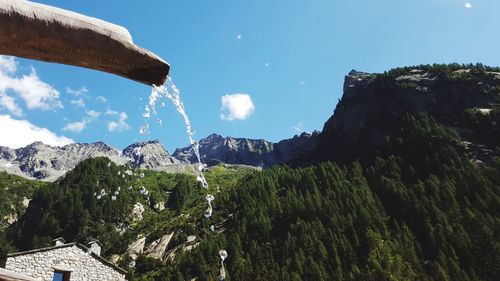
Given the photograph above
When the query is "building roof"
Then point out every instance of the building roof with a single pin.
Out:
(82, 247)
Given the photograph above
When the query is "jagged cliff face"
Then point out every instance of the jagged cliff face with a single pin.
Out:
(216, 149)
(45, 162)
(466, 100)
(148, 155)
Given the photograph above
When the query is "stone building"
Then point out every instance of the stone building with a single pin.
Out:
(64, 262)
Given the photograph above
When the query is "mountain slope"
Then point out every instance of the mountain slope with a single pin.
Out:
(41, 161)
(463, 98)
(148, 155)
(217, 149)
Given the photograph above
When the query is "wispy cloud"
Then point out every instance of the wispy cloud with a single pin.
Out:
(109, 111)
(35, 93)
(10, 104)
(82, 91)
(236, 107)
(19, 133)
(78, 126)
(93, 114)
(468, 5)
(120, 125)
(78, 102)
(101, 99)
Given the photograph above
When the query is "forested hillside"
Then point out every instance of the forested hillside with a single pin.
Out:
(426, 214)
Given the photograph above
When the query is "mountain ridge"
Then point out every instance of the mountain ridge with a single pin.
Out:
(254, 152)
(45, 162)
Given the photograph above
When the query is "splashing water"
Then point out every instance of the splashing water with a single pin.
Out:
(222, 272)
(170, 91)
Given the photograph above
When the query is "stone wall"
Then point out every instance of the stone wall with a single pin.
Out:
(83, 266)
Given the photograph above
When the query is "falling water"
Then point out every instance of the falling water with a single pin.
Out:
(171, 91)
(222, 272)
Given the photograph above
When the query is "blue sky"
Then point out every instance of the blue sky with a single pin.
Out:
(289, 56)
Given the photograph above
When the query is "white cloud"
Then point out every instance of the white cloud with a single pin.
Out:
(77, 92)
(79, 126)
(76, 127)
(93, 114)
(468, 5)
(35, 93)
(119, 126)
(78, 102)
(10, 104)
(236, 107)
(109, 111)
(101, 99)
(19, 133)
(8, 64)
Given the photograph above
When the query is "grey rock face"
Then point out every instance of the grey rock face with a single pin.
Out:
(7, 153)
(148, 155)
(371, 103)
(45, 162)
(216, 149)
(42, 161)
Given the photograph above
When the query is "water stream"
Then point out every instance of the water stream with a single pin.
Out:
(170, 91)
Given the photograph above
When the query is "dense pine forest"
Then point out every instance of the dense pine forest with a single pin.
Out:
(426, 214)
(417, 205)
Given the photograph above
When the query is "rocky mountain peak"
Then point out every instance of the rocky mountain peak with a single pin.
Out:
(42, 161)
(456, 96)
(216, 149)
(213, 137)
(148, 155)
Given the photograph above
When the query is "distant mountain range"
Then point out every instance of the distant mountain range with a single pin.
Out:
(261, 153)
(46, 162)
(41, 161)
(367, 118)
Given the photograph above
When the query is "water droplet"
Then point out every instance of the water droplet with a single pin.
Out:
(147, 113)
(208, 213)
(144, 129)
(223, 254)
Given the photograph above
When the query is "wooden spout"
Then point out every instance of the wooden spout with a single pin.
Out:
(41, 32)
